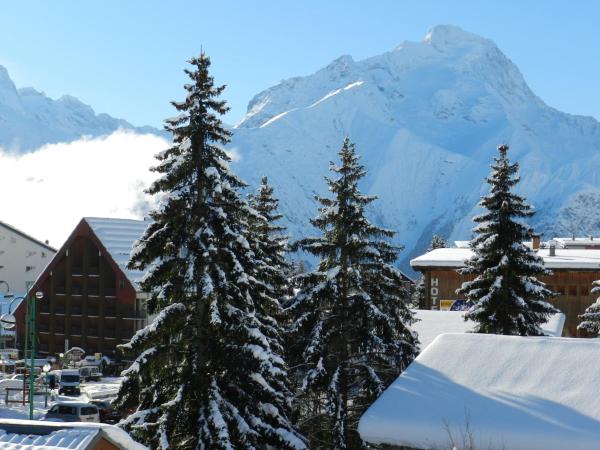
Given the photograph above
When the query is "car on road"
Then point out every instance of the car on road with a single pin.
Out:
(107, 413)
(73, 412)
(69, 382)
(88, 373)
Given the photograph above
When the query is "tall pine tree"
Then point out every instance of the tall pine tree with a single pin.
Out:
(507, 296)
(207, 376)
(350, 330)
(590, 319)
(272, 241)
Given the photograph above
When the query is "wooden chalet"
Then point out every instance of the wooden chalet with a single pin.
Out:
(574, 262)
(91, 299)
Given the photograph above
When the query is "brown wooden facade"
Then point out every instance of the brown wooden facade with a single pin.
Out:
(88, 301)
(572, 286)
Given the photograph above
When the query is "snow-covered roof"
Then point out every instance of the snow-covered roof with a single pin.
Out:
(512, 392)
(35, 435)
(578, 242)
(433, 323)
(565, 258)
(28, 237)
(118, 237)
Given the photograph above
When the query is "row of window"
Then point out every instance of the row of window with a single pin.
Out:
(571, 291)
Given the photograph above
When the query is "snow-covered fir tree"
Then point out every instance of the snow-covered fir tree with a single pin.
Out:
(418, 293)
(437, 242)
(350, 323)
(590, 319)
(272, 241)
(207, 375)
(507, 297)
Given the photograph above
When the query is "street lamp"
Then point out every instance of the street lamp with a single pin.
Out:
(30, 342)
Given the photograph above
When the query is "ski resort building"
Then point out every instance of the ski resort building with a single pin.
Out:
(574, 262)
(22, 259)
(91, 300)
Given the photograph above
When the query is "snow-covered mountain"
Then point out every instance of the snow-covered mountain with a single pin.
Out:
(426, 117)
(29, 119)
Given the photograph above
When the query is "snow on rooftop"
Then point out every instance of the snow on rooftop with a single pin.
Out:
(517, 393)
(589, 241)
(118, 237)
(565, 258)
(37, 435)
(60, 439)
(433, 323)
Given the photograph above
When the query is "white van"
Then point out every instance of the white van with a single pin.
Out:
(69, 381)
(88, 373)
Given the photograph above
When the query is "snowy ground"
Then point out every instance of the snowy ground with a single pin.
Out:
(106, 388)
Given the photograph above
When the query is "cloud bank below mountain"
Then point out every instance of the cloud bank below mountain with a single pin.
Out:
(47, 192)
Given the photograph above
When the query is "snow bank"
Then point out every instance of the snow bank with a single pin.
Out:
(433, 323)
(516, 393)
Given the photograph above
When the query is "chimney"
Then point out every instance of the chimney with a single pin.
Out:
(552, 249)
(535, 241)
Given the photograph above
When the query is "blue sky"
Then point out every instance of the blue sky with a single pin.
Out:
(126, 57)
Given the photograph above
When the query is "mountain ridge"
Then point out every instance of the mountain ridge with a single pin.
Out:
(426, 117)
(30, 119)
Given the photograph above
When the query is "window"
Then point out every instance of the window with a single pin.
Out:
(88, 410)
(29, 268)
(93, 286)
(76, 287)
(63, 409)
(560, 290)
(573, 291)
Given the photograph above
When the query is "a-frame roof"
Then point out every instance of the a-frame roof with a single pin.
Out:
(114, 236)
(118, 236)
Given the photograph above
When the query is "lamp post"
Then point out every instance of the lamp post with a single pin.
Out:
(30, 336)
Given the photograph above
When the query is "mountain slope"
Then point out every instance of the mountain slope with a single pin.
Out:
(427, 118)
(29, 119)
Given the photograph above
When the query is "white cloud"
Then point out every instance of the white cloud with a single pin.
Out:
(47, 192)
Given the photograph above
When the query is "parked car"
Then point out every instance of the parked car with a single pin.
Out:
(68, 382)
(107, 413)
(73, 412)
(88, 373)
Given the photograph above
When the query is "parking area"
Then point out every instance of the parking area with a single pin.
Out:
(96, 393)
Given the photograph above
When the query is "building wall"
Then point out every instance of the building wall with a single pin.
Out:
(21, 260)
(573, 287)
(87, 303)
